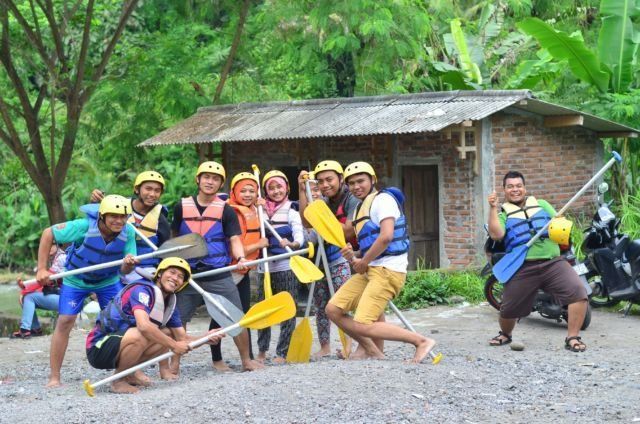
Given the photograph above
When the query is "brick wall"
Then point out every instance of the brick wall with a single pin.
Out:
(555, 162)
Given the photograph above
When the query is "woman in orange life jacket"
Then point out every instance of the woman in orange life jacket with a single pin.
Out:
(243, 198)
(343, 204)
(286, 221)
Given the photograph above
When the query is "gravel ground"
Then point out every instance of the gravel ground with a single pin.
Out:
(474, 383)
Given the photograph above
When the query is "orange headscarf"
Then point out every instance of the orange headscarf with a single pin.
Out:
(234, 197)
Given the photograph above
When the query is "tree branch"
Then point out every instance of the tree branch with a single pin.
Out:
(84, 49)
(57, 38)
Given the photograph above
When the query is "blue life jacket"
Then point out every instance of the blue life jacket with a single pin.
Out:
(149, 227)
(93, 250)
(368, 232)
(209, 226)
(524, 222)
(113, 318)
(280, 222)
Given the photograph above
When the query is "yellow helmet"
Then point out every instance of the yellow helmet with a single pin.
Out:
(213, 168)
(149, 176)
(116, 204)
(560, 230)
(176, 263)
(274, 173)
(328, 165)
(243, 176)
(359, 168)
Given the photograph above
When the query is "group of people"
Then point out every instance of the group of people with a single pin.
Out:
(142, 316)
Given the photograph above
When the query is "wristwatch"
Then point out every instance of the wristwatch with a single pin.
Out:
(240, 257)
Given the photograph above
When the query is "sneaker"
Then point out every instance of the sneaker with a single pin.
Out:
(21, 334)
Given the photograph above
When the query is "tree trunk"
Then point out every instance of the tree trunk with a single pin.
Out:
(344, 71)
(55, 207)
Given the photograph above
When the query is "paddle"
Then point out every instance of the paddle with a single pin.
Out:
(186, 247)
(302, 267)
(344, 340)
(330, 228)
(510, 263)
(267, 276)
(221, 310)
(265, 314)
(302, 337)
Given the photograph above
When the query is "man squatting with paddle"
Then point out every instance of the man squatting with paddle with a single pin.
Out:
(519, 219)
(140, 323)
(380, 266)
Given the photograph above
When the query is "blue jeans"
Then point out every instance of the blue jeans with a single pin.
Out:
(35, 300)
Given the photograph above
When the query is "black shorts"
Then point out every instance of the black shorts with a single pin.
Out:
(104, 354)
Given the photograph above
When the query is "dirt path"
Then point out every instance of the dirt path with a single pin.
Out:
(474, 383)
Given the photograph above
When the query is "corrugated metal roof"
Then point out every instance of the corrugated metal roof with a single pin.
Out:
(344, 117)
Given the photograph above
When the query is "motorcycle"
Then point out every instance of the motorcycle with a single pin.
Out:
(544, 303)
(613, 259)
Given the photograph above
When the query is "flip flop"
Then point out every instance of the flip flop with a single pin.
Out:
(501, 338)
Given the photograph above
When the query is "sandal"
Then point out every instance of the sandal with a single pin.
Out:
(575, 347)
(501, 339)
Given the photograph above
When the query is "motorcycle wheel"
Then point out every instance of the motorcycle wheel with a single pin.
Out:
(598, 299)
(493, 292)
(587, 319)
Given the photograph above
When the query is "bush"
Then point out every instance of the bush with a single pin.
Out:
(426, 287)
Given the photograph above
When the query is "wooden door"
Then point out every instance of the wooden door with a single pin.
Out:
(420, 185)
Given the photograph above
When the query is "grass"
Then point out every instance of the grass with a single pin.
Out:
(427, 287)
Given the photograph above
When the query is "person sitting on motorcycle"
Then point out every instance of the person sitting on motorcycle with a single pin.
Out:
(543, 268)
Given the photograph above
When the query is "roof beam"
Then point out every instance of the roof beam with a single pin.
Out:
(559, 121)
(619, 134)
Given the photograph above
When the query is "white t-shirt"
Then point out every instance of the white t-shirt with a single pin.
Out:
(385, 206)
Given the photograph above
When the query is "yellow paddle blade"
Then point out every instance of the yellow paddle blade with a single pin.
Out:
(436, 358)
(87, 388)
(300, 344)
(267, 285)
(325, 222)
(271, 311)
(305, 270)
(346, 343)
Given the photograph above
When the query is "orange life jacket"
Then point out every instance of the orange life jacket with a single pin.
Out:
(250, 226)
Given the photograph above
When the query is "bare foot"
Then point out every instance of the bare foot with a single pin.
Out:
(279, 360)
(167, 374)
(53, 382)
(422, 350)
(139, 379)
(262, 356)
(325, 350)
(121, 386)
(221, 366)
(252, 365)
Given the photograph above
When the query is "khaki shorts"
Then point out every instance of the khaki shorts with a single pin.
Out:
(369, 294)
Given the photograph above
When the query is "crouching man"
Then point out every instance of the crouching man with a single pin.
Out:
(140, 323)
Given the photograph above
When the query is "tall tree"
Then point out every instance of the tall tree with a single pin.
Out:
(53, 55)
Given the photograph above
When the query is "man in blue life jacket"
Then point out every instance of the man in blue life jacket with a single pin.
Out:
(216, 221)
(381, 267)
(100, 237)
(140, 323)
(520, 218)
(147, 215)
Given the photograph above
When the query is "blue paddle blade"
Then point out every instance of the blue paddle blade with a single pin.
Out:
(510, 264)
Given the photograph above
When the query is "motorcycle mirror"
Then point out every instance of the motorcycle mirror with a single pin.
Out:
(603, 188)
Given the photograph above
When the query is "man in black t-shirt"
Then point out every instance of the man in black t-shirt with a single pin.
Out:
(212, 218)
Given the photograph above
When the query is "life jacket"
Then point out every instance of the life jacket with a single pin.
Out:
(209, 226)
(94, 250)
(523, 222)
(280, 222)
(368, 232)
(333, 252)
(250, 226)
(113, 318)
(148, 226)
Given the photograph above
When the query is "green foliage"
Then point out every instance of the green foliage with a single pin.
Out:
(435, 286)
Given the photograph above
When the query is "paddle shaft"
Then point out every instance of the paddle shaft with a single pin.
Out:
(307, 310)
(256, 173)
(108, 264)
(194, 344)
(199, 289)
(252, 263)
(614, 159)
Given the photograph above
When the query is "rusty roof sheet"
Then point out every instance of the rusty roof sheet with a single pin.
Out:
(344, 117)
